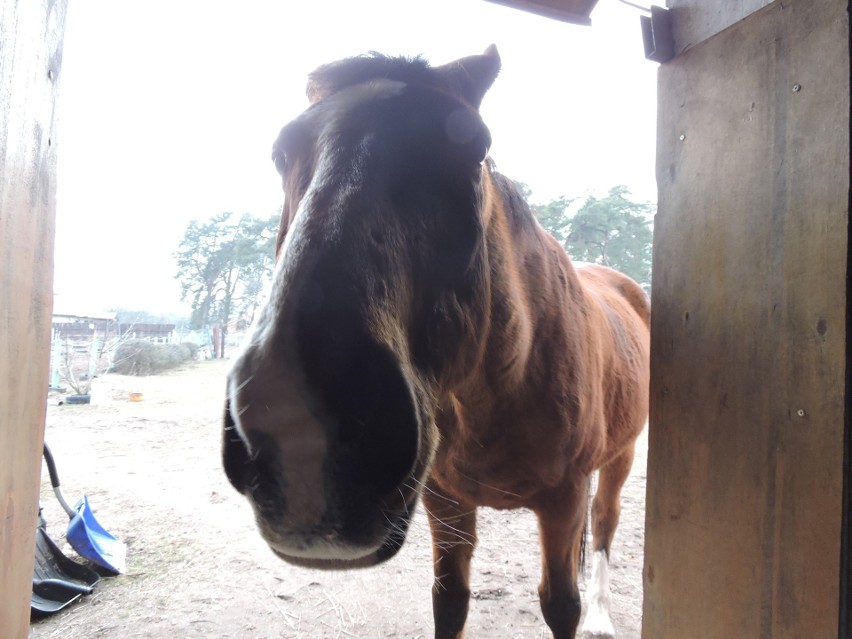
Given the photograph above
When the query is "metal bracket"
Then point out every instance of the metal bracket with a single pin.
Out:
(657, 35)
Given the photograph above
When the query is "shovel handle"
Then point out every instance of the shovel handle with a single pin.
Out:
(51, 467)
(54, 481)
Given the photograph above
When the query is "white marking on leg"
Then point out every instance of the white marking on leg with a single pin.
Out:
(598, 600)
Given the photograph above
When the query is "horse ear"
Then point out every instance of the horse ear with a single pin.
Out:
(473, 76)
(321, 81)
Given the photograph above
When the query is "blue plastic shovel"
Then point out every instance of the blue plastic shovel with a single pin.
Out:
(85, 534)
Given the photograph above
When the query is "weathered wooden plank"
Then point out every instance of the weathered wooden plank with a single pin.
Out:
(30, 55)
(745, 466)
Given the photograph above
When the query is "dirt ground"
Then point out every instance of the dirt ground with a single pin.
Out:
(198, 568)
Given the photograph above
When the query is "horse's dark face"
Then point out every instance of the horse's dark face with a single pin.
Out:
(379, 292)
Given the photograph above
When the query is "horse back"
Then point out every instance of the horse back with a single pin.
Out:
(615, 288)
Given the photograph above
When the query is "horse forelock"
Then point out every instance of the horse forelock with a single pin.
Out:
(331, 78)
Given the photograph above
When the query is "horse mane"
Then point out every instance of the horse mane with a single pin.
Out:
(518, 210)
(331, 78)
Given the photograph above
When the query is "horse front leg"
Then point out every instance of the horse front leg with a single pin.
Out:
(453, 526)
(561, 528)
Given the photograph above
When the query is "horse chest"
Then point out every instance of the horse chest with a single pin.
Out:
(506, 465)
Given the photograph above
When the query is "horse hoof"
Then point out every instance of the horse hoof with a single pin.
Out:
(597, 627)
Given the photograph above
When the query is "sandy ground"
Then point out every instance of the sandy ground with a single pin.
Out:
(197, 568)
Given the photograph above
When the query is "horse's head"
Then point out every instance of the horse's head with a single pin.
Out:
(379, 301)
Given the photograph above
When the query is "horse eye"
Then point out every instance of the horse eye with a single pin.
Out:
(469, 134)
(280, 160)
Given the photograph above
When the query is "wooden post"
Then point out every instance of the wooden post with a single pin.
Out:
(749, 328)
(31, 36)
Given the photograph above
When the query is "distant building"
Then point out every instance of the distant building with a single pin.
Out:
(104, 326)
(163, 333)
(85, 325)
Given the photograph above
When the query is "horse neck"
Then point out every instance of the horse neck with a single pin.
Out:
(533, 286)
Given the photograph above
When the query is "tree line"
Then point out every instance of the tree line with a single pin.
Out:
(614, 230)
(226, 262)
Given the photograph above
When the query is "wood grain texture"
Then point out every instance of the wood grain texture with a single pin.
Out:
(745, 463)
(30, 56)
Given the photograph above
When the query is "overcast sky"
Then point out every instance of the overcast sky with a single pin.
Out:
(168, 110)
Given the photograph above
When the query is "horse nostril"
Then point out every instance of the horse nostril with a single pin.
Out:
(236, 457)
(250, 463)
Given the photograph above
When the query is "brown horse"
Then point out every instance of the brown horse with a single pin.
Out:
(426, 338)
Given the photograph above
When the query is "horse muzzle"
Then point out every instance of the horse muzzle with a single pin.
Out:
(326, 552)
(360, 532)
(330, 488)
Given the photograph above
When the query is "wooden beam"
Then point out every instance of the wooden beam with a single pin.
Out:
(31, 35)
(745, 468)
(574, 11)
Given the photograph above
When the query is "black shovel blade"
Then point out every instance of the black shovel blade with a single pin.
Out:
(50, 596)
(57, 580)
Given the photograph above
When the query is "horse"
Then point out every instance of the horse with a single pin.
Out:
(426, 340)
